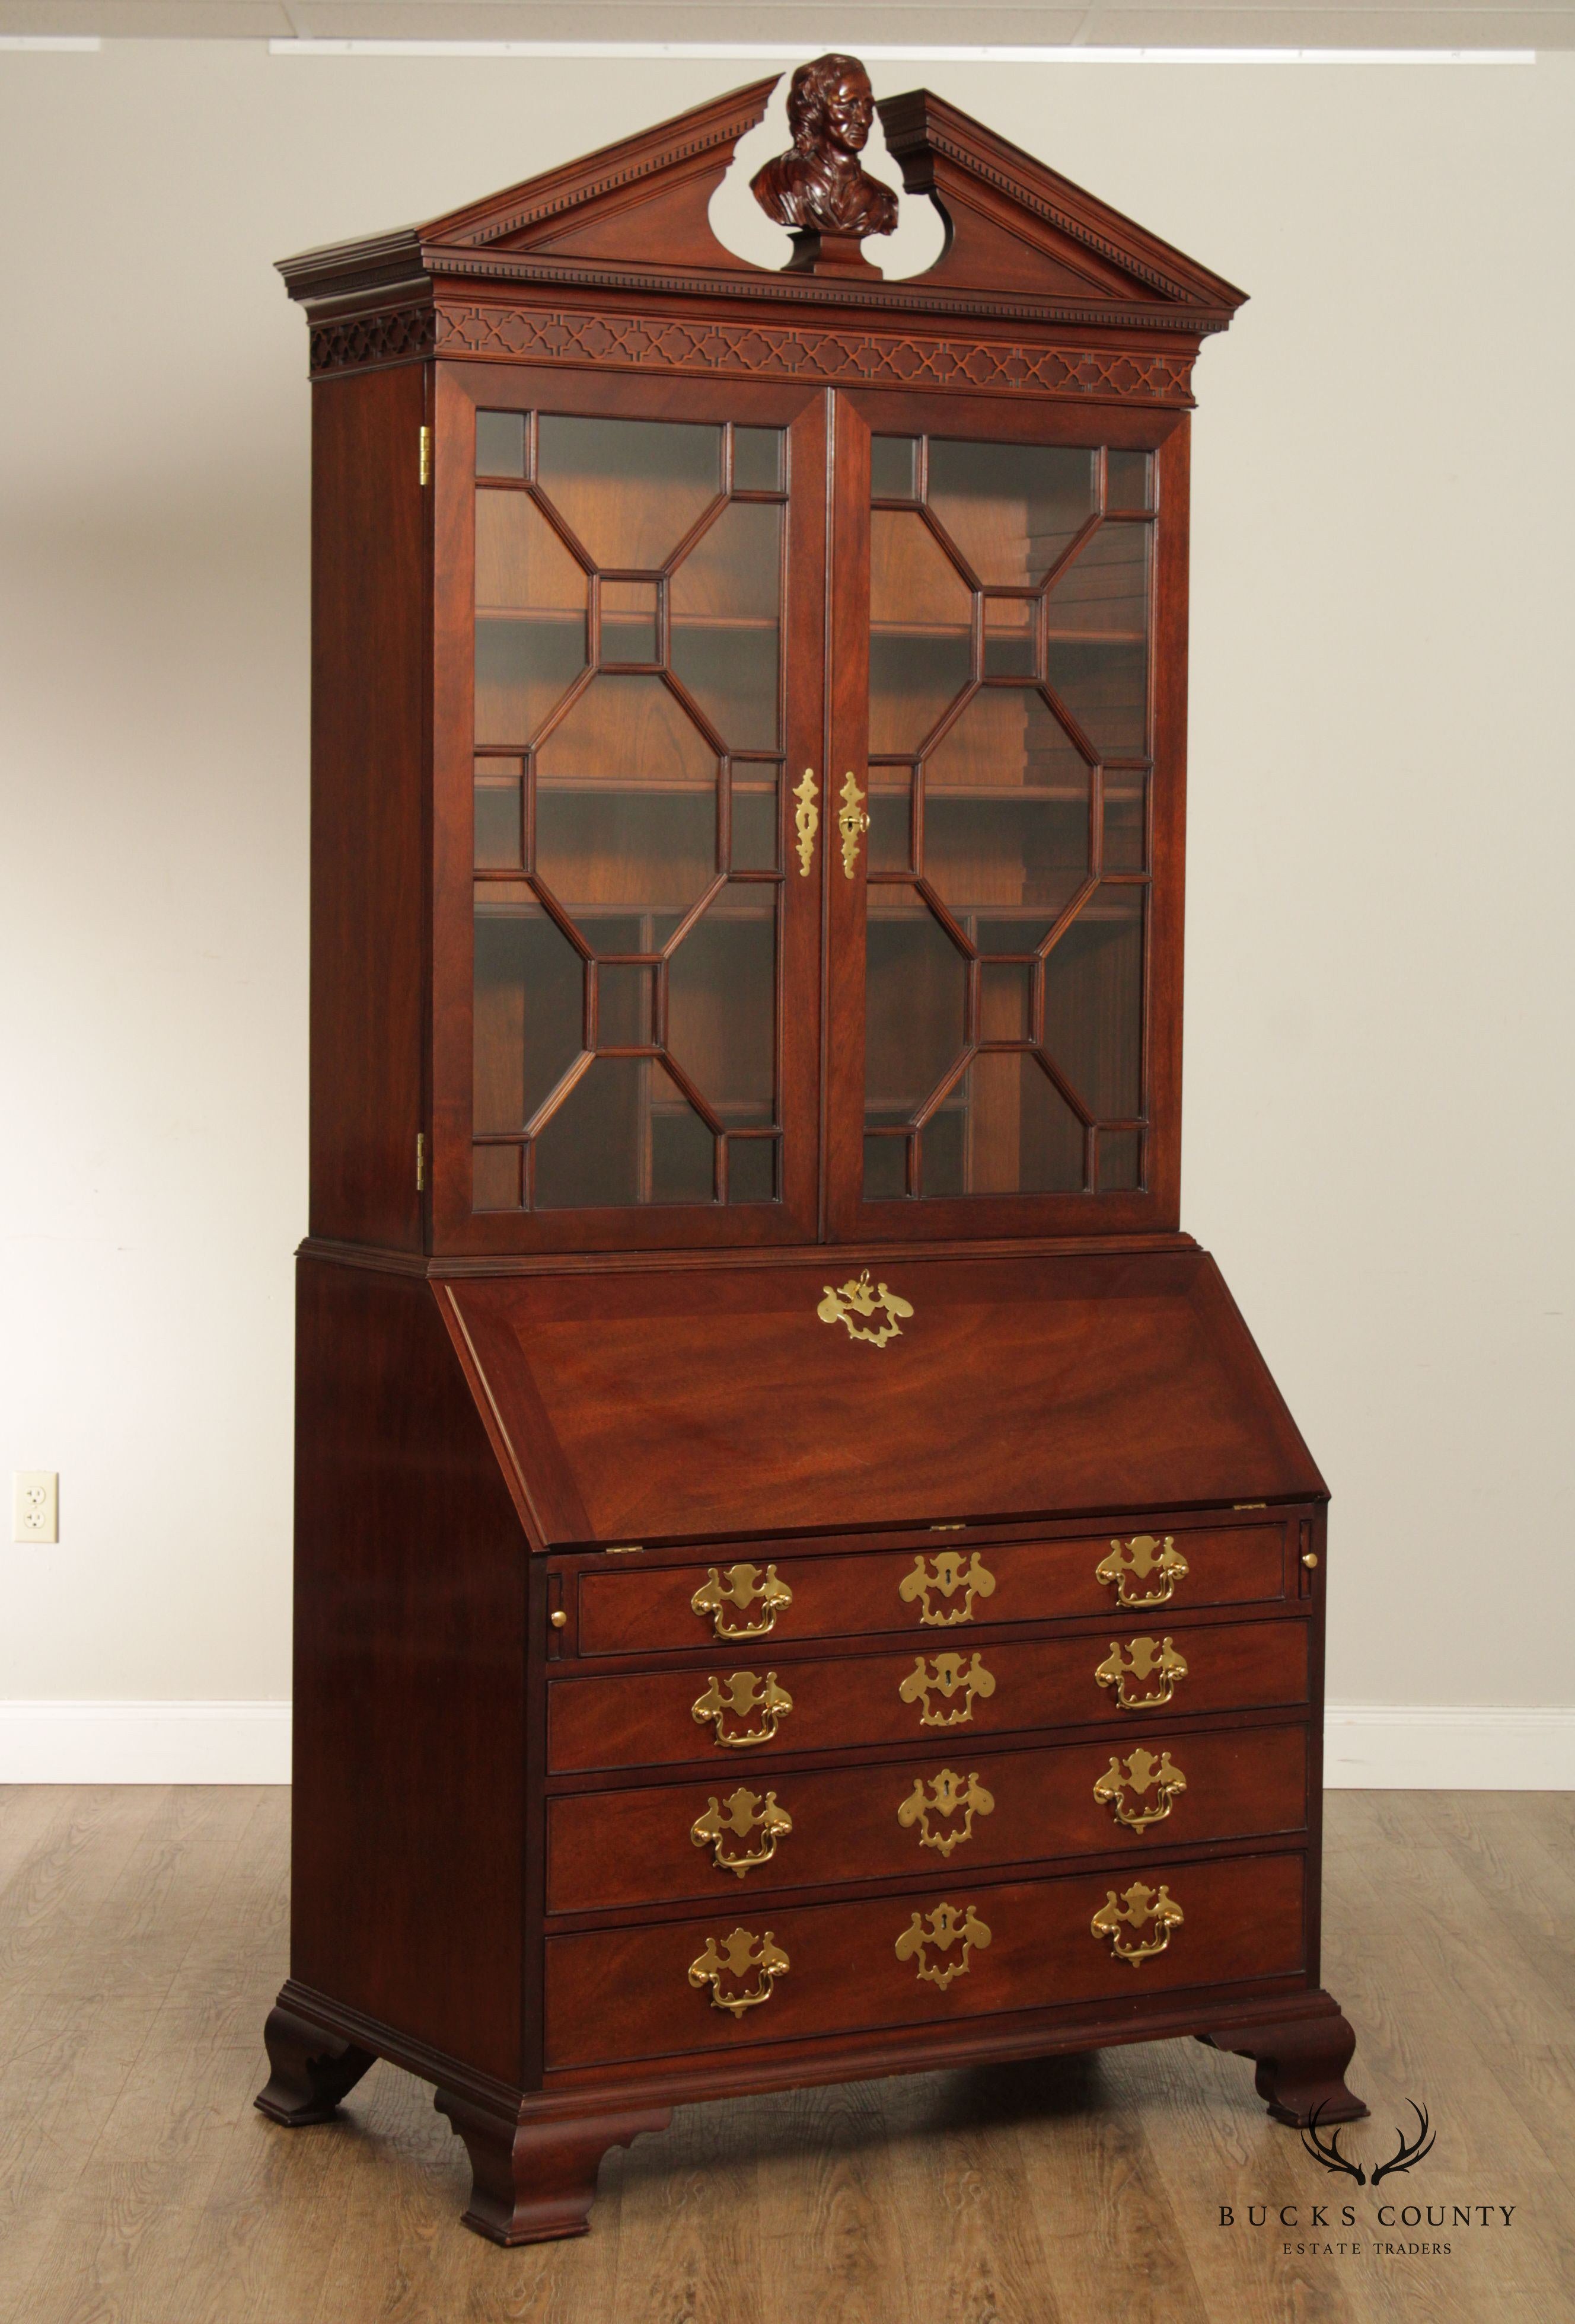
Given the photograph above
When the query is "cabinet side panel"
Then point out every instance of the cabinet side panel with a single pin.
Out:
(368, 843)
(410, 1673)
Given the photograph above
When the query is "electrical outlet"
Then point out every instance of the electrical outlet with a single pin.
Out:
(36, 1505)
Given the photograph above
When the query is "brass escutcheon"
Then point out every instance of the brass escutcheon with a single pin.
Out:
(852, 822)
(742, 1589)
(860, 1297)
(948, 1796)
(742, 1695)
(942, 1929)
(724, 1967)
(1140, 1908)
(1141, 1659)
(945, 1675)
(1142, 1555)
(806, 822)
(742, 1817)
(948, 1572)
(1125, 1790)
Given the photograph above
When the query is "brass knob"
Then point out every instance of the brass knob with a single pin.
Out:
(559, 1620)
(1310, 1557)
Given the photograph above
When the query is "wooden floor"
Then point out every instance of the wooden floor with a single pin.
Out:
(142, 1935)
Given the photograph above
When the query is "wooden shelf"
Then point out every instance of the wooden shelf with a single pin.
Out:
(563, 617)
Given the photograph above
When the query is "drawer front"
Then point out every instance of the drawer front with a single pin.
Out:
(743, 1976)
(626, 1609)
(731, 1841)
(738, 1715)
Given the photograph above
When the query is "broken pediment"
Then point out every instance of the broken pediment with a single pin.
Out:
(644, 201)
(1014, 224)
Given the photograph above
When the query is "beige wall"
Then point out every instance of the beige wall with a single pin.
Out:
(1379, 965)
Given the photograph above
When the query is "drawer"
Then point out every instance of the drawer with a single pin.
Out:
(638, 1609)
(743, 1976)
(719, 1712)
(731, 1841)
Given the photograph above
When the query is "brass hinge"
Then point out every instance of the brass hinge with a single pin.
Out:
(420, 1163)
(426, 456)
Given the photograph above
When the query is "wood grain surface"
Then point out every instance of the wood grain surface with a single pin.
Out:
(142, 1935)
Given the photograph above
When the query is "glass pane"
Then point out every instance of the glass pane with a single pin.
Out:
(500, 443)
(1011, 643)
(1127, 484)
(721, 1006)
(1007, 545)
(529, 1017)
(628, 621)
(757, 459)
(752, 1169)
(494, 1178)
(624, 1133)
(885, 1169)
(754, 820)
(921, 612)
(1006, 809)
(625, 1008)
(628, 489)
(499, 807)
(894, 467)
(1093, 1003)
(1099, 640)
(1012, 509)
(618, 787)
(890, 810)
(942, 1148)
(726, 604)
(627, 800)
(1005, 1001)
(1125, 820)
(531, 598)
(915, 1003)
(1120, 1161)
(1019, 1136)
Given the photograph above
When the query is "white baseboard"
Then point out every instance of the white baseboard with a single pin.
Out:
(145, 1742)
(1436, 1747)
(1367, 1746)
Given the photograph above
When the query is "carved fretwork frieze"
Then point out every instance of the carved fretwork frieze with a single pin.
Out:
(403, 335)
(857, 358)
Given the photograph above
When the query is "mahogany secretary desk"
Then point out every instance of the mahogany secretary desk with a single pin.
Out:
(802, 1571)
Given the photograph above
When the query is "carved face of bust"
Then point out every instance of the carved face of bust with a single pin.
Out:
(849, 111)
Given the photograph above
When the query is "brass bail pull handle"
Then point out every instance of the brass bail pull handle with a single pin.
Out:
(852, 822)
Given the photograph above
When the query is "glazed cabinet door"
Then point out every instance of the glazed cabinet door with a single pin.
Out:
(628, 692)
(1006, 774)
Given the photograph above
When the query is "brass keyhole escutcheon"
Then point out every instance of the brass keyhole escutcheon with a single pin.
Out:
(940, 1577)
(937, 1681)
(930, 1939)
(852, 822)
(947, 1797)
(806, 822)
(857, 1301)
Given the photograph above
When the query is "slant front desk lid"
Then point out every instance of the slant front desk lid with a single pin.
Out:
(664, 1405)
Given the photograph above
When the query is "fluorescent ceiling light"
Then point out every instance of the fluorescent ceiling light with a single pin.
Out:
(905, 53)
(83, 47)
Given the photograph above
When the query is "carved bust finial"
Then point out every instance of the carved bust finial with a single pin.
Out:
(819, 189)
